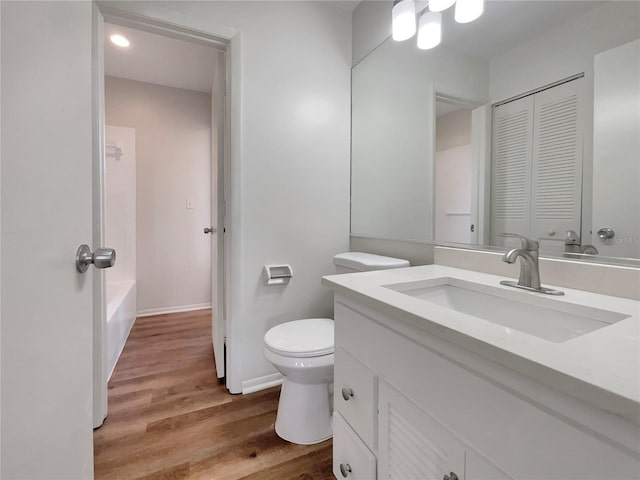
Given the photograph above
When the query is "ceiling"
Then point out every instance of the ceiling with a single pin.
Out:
(158, 59)
(442, 108)
(177, 63)
(505, 24)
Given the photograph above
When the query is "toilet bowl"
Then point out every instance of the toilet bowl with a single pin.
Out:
(302, 351)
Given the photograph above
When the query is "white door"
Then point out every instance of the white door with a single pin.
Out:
(218, 330)
(46, 213)
(616, 150)
(511, 169)
(556, 192)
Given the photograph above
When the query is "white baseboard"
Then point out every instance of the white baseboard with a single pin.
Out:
(184, 308)
(261, 383)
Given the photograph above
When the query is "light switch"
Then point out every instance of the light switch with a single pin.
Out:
(190, 203)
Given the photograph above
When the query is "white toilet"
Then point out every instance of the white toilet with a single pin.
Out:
(302, 351)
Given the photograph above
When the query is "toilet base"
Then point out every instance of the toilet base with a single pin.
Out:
(304, 413)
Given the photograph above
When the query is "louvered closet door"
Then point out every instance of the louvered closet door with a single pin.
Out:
(511, 169)
(557, 164)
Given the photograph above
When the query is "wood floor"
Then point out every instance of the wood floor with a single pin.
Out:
(170, 419)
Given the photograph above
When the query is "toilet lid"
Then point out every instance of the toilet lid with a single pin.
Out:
(310, 337)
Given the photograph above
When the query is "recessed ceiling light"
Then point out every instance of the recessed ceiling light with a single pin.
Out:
(119, 40)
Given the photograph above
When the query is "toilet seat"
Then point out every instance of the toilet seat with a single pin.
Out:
(309, 337)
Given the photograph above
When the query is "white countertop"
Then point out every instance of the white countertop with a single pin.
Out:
(601, 367)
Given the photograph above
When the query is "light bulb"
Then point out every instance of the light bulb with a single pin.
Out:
(440, 5)
(468, 10)
(403, 20)
(429, 30)
(119, 40)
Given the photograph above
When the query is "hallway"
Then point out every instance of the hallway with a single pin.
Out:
(170, 419)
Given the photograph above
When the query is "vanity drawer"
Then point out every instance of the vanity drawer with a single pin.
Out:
(355, 395)
(351, 457)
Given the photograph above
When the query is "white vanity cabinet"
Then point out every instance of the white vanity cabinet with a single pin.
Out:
(418, 407)
(413, 445)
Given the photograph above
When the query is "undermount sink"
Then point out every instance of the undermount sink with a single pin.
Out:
(550, 319)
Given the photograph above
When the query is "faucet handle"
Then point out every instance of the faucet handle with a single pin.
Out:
(527, 243)
(572, 238)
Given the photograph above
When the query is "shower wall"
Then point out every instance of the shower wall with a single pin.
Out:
(120, 201)
(120, 234)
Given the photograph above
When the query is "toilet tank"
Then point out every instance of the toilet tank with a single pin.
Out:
(351, 262)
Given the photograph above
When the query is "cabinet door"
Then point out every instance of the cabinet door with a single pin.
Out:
(413, 445)
(355, 395)
(351, 458)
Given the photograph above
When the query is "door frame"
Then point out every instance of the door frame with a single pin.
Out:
(222, 38)
(480, 160)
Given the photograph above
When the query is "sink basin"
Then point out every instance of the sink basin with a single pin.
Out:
(550, 319)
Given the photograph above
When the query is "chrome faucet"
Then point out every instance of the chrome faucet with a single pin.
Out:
(529, 267)
(572, 244)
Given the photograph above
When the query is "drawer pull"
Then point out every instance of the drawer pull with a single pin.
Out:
(345, 470)
(347, 393)
(451, 476)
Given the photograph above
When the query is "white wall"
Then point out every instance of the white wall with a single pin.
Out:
(453, 130)
(371, 27)
(120, 202)
(173, 163)
(561, 52)
(290, 94)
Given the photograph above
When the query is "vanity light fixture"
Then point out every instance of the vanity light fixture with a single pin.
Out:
(430, 30)
(403, 18)
(119, 40)
(468, 10)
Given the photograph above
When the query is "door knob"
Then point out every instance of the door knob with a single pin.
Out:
(606, 233)
(101, 258)
(209, 230)
(347, 393)
(345, 469)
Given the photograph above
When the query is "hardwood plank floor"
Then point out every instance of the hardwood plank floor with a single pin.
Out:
(170, 419)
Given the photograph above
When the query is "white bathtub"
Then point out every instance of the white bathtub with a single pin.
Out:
(121, 313)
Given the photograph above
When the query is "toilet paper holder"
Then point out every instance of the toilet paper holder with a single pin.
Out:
(277, 274)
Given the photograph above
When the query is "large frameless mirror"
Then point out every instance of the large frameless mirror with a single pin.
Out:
(525, 121)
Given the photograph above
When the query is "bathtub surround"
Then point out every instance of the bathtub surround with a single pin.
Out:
(173, 147)
(120, 201)
(120, 234)
(121, 315)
